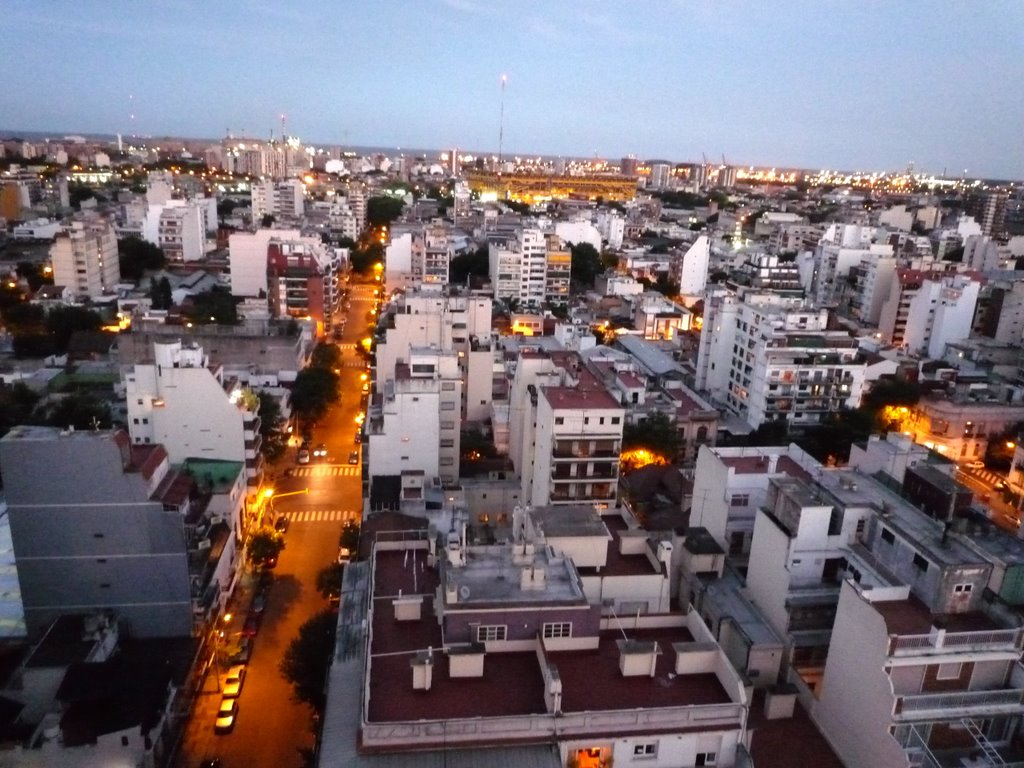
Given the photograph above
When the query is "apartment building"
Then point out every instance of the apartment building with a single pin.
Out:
(494, 652)
(303, 277)
(841, 247)
(102, 529)
(457, 322)
(940, 312)
(731, 484)
(924, 662)
(184, 402)
(766, 357)
(558, 268)
(414, 419)
(181, 232)
(1004, 320)
(518, 266)
(280, 199)
(871, 283)
(959, 424)
(84, 257)
(693, 267)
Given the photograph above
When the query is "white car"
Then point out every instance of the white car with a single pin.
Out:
(233, 682)
(226, 716)
(975, 465)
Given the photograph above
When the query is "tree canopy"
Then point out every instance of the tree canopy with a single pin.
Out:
(308, 658)
(265, 544)
(274, 439)
(137, 256)
(314, 390)
(216, 305)
(586, 265)
(382, 210)
(328, 580)
(656, 434)
(476, 262)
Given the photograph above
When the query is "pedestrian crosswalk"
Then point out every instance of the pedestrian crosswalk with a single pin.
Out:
(322, 516)
(324, 470)
(346, 345)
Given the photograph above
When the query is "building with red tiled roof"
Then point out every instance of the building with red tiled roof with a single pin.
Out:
(450, 648)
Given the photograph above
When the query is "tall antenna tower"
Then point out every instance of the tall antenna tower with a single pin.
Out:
(284, 124)
(501, 120)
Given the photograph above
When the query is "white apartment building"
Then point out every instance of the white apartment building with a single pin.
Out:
(186, 404)
(518, 266)
(693, 269)
(247, 257)
(414, 420)
(874, 276)
(576, 445)
(84, 257)
(1006, 310)
(460, 323)
(180, 231)
(280, 199)
(925, 660)
(731, 483)
(939, 313)
(435, 256)
(612, 227)
(840, 248)
(766, 357)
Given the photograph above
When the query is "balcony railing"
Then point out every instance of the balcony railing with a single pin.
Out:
(997, 639)
(959, 703)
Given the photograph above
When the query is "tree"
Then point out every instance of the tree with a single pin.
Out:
(62, 322)
(308, 658)
(475, 446)
(274, 441)
(382, 210)
(160, 293)
(327, 356)
(216, 305)
(226, 207)
(656, 434)
(314, 390)
(586, 265)
(476, 262)
(24, 317)
(33, 273)
(265, 544)
(80, 410)
(267, 221)
(665, 286)
(136, 256)
(328, 580)
(363, 259)
(17, 402)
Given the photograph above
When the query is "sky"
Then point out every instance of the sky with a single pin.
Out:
(840, 84)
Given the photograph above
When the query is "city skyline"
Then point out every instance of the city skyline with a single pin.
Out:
(870, 87)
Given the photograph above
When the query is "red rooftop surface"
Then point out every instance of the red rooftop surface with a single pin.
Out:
(762, 465)
(145, 459)
(591, 680)
(617, 563)
(912, 617)
(789, 741)
(512, 683)
(572, 398)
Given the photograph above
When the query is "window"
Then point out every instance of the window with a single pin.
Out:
(487, 632)
(648, 749)
(920, 563)
(447, 425)
(963, 589)
(739, 500)
(447, 406)
(447, 386)
(615, 419)
(557, 629)
(135, 421)
(888, 536)
(559, 420)
(947, 671)
(706, 758)
(447, 442)
(446, 461)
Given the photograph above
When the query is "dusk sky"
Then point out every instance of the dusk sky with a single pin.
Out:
(851, 85)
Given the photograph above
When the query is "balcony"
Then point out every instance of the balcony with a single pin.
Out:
(958, 704)
(938, 641)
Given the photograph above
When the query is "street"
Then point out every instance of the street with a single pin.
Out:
(272, 729)
(988, 497)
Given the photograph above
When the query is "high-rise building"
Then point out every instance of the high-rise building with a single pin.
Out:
(628, 165)
(84, 257)
(989, 210)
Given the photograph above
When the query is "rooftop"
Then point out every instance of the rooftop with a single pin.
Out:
(572, 398)
(912, 617)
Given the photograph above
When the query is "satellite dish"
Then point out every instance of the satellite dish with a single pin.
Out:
(464, 592)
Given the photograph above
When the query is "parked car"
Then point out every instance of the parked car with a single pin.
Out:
(358, 437)
(240, 650)
(303, 457)
(266, 582)
(281, 524)
(344, 555)
(226, 716)
(353, 458)
(259, 603)
(976, 464)
(233, 682)
(252, 624)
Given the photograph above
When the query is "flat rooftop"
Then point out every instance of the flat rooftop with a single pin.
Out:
(491, 576)
(912, 617)
(512, 682)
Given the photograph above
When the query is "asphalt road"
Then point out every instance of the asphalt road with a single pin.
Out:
(272, 728)
(990, 498)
